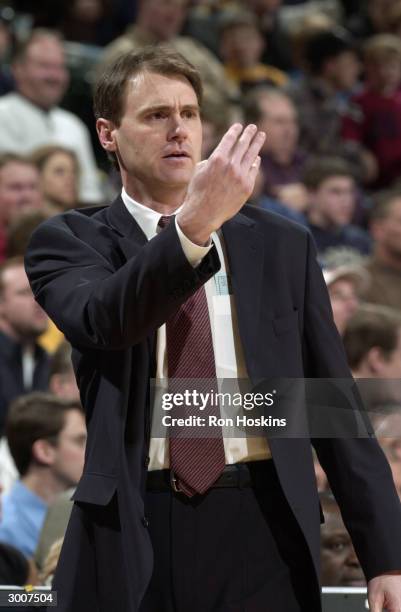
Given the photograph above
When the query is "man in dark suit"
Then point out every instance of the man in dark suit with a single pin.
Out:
(238, 528)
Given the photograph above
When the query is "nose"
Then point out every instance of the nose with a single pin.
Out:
(177, 129)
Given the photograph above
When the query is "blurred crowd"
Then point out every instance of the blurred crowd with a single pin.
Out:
(322, 78)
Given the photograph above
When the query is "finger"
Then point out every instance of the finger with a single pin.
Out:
(253, 151)
(228, 141)
(254, 169)
(242, 145)
(375, 603)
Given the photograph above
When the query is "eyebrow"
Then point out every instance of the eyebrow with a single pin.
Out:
(166, 107)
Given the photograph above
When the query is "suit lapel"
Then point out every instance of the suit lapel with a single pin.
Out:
(130, 238)
(245, 253)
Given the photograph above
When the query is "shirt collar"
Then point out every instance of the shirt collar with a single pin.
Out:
(147, 218)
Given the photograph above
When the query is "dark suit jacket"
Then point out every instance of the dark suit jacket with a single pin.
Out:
(108, 290)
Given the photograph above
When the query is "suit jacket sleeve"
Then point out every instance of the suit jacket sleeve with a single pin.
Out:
(357, 469)
(97, 303)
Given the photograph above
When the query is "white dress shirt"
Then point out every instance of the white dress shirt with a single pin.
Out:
(229, 358)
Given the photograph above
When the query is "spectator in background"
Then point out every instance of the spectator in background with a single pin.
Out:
(372, 342)
(62, 378)
(371, 19)
(6, 43)
(340, 565)
(277, 51)
(388, 431)
(19, 192)
(345, 284)
(331, 203)
(384, 266)
(374, 119)
(160, 21)
(24, 365)
(20, 230)
(59, 177)
(282, 161)
(215, 123)
(30, 117)
(47, 437)
(241, 48)
(15, 569)
(321, 95)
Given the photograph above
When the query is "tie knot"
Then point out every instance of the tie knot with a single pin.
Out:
(165, 220)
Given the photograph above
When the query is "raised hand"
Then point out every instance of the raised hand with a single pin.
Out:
(222, 184)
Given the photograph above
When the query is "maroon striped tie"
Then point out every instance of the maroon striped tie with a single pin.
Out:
(196, 462)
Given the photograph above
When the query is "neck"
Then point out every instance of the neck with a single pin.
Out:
(388, 258)
(162, 200)
(27, 96)
(316, 218)
(42, 482)
(7, 330)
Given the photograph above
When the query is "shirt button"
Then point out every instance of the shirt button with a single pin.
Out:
(145, 521)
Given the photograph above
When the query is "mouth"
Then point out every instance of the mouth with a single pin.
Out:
(177, 155)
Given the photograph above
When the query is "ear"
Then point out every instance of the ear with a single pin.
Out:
(375, 359)
(106, 134)
(43, 452)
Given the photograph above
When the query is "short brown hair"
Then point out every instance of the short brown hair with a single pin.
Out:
(110, 89)
(12, 262)
(372, 326)
(383, 203)
(35, 34)
(40, 155)
(382, 47)
(14, 158)
(32, 417)
(320, 169)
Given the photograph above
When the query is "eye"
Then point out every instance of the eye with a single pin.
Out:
(157, 115)
(190, 114)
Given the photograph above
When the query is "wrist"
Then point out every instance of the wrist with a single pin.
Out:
(196, 231)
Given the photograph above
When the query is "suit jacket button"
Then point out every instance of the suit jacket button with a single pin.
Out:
(145, 521)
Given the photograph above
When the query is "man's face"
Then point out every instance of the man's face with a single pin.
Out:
(335, 200)
(21, 315)
(69, 451)
(280, 122)
(344, 302)
(344, 70)
(163, 18)
(41, 75)
(19, 190)
(387, 232)
(242, 46)
(158, 141)
(340, 566)
(390, 366)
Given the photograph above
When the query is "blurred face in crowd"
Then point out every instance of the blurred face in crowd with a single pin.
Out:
(344, 301)
(68, 454)
(387, 232)
(65, 385)
(340, 566)
(162, 18)
(333, 201)
(280, 121)
(378, 11)
(242, 46)
(59, 179)
(41, 75)
(389, 427)
(343, 70)
(19, 189)
(158, 141)
(390, 364)
(20, 316)
(385, 75)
